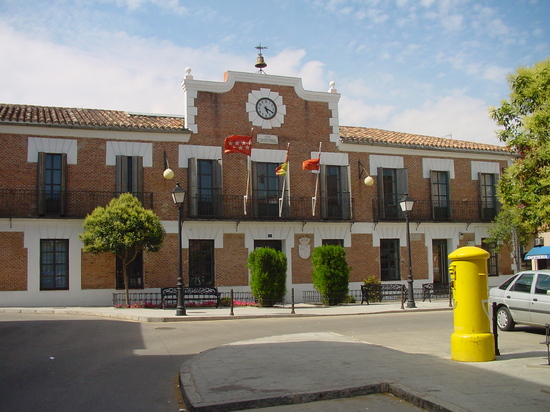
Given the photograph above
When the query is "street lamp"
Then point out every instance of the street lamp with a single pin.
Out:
(406, 206)
(178, 195)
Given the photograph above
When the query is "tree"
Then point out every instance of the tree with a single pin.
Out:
(525, 117)
(267, 275)
(124, 228)
(330, 273)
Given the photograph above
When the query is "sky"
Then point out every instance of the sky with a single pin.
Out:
(430, 67)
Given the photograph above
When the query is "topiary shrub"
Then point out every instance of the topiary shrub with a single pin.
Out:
(374, 292)
(267, 275)
(330, 273)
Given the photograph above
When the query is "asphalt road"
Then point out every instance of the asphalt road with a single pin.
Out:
(71, 363)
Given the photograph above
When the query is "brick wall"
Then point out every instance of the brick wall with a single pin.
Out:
(13, 261)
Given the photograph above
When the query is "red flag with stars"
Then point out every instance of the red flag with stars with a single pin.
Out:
(238, 144)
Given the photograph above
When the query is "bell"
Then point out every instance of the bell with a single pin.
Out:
(260, 63)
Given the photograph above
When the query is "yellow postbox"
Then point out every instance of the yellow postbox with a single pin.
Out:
(472, 340)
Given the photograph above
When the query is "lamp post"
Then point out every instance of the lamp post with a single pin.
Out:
(178, 195)
(406, 206)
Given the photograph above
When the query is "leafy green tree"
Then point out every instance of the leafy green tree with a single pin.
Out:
(267, 275)
(524, 187)
(124, 228)
(330, 273)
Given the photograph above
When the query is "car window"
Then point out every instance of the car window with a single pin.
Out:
(543, 284)
(507, 283)
(523, 284)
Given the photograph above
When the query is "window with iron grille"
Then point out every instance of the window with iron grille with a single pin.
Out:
(492, 262)
(335, 194)
(54, 264)
(488, 196)
(390, 262)
(267, 190)
(129, 175)
(134, 270)
(201, 263)
(392, 188)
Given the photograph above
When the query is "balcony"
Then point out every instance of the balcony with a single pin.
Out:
(269, 208)
(428, 211)
(23, 203)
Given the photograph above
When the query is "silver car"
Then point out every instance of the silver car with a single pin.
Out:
(523, 299)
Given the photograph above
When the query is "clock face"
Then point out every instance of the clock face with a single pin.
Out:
(266, 108)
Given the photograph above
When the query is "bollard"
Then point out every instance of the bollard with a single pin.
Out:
(292, 312)
(231, 313)
(472, 340)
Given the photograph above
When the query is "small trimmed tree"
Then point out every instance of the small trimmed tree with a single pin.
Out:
(267, 275)
(331, 273)
(124, 228)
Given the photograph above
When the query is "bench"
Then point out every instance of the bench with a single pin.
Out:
(434, 289)
(377, 293)
(202, 293)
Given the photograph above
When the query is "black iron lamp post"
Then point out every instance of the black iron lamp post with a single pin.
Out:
(178, 194)
(406, 206)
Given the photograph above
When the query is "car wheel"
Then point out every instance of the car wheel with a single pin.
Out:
(504, 319)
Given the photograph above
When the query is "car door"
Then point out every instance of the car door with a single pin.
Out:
(518, 298)
(540, 304)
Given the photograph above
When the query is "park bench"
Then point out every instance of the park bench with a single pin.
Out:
(377, 293)
(434, 289)
(200, 293)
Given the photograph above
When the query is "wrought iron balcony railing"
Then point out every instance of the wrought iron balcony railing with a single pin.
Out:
(23, 203)
(236, 207)
(428, 211)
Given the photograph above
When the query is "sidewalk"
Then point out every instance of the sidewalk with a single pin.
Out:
(239, 312)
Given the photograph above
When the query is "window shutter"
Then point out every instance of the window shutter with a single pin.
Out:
(217, 186)
(137, 176)
(323, 191)
(381, 200)
(402, 188)
(193, 200)
(121, 180)
(40, 183)
(63, 200)
(345, 195)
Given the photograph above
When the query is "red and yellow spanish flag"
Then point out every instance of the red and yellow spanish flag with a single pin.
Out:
(282, 169)
(311, 164)
(238, 144)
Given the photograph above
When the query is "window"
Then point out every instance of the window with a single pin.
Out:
(333, 242)
(54, 264)
(204, 178)
(523, 284)
(201, 263)
(335, 194)
(51, 183)
(392, 187)
(129, 175)
(488, 196)
(267, 191)
(134, 272)
(492, 262)
(389, 259)
(542, 287)
(441, 204)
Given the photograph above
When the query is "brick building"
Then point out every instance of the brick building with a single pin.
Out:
(59, 163)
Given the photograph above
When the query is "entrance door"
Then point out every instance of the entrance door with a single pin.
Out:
(440, 262)
(274, 244)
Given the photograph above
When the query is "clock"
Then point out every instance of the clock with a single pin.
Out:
(266, 108)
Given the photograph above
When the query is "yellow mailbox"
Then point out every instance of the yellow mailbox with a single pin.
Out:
(472, 340)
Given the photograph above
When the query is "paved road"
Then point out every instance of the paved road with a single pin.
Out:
(75, 363)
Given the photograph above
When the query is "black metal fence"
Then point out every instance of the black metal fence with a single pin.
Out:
(28, 203)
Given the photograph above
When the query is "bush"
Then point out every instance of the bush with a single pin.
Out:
(331, 273)
(267, 275)
(374, 293)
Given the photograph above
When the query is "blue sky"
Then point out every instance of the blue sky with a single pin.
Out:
(430, 67)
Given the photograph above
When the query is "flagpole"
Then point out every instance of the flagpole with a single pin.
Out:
(281, 199)
(314, 199)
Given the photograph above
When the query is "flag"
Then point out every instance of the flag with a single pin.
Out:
(282, 169)
(311, 164)
(238, 144)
